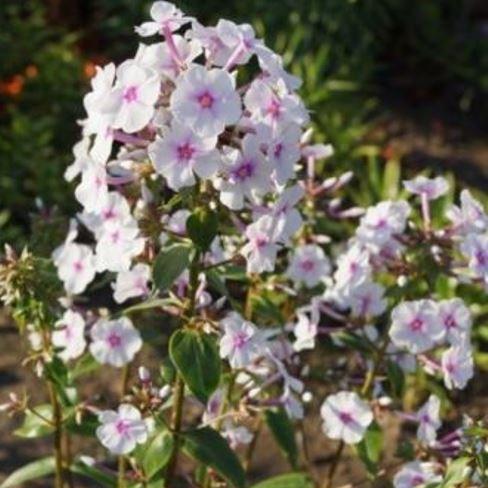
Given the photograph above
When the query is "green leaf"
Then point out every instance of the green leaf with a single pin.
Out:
(31, 471)
(391, 179)
(396, 378)
(101, 477)
(369, 449)
(455, 473)
(169, 265)
(282, 429)
(210, 448)
(202, 226)
(149, 305)
(197, 359)
(292, 480)
(158, 453)
(34, 426)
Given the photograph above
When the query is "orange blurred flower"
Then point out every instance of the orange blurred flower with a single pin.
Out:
(89, 69)
(31, 71)
(12, 87)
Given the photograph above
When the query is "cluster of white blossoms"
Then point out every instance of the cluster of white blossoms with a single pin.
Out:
(206, 123)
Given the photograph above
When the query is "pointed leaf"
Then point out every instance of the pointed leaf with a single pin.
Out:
(292, 480)
(201, 227)
(282, 429)
(37, 469)
(197, 359)
(169, 265)
(210, 448)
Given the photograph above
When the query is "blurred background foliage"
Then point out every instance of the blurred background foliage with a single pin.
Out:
(365, 63)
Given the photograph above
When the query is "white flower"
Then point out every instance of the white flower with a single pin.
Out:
(131, 101)
(309, 265)
(133, 283)
(470, 217)
(76, 266)
(236, 435)
(305, 331)
(456, 319)
(428, 420)
(352, 267)
(261, 249)
(274, 105)
(180, 153)
(160, 58)
(115, 342)
(430, 188)
(383, 221)
(284, 209)
(246, 175)
(92, 192)
(367, 300)
(117, 246)
(116, 211)
(121, 431)
(206, 100)
(475, 248)
(457, 366)
(69, 335)
(416, 325)
(416, 474)
(346, 417)
(241, 343)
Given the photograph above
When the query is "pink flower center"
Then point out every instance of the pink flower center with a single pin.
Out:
(278, 150)
(425, 419)
(115, 236)
(346, 417)
(274, 108)
(244, 171)
(481, 258)
(450, 367)
(381, 224)
(307, 265)
(206, 100)
(416, 325)
(449, 322)
(185, 152)
(240, 340)
(130, 94)
(122, 427)
(261, 242)
(109, 214)
(78, 266)
(417, 480)
(114, 340)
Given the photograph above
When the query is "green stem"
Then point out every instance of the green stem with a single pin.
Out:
(123, 390)
(179, 385)
(58, 437)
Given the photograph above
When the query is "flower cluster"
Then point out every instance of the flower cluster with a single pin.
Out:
(201, 205)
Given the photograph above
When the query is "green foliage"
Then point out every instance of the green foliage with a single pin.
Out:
(196, 357)
(284, 433)
(170, 263)
(36, 469)
(370, 448)
(292, 480)
(211, 449)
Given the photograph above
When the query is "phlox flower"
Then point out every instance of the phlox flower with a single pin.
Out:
(272, 66)
(236, 435)
(76, 266)
(160, 57)
(470, 216)
(352, 268)
(456, 319)
(165, 15)
(416, 474)
(274, 105)
(82, 159)
(132, 283)
(475, 248)
(92, 192)
(180, 153)
(292, 406)
(69, 336)
(245, 174)
(115, 342)
(309, 265)
(241, 343)
(116, 211)
(383, 221)
(367, 300)
(131, 102)
(117, 246)
(306, 327)
(416, 325)
(430, 188)
(261, 249)
(457, 366)
(428, 420)
(346, 417)
(205, 100)
(121, 431)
